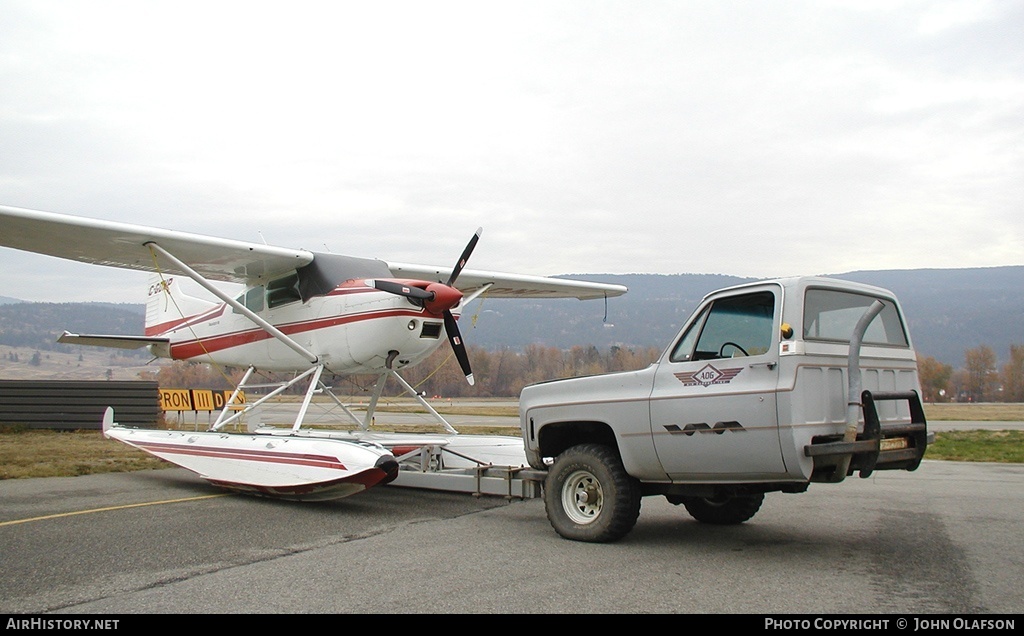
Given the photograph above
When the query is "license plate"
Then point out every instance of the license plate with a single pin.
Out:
(893, 443)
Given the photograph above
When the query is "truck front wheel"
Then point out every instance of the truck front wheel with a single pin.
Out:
(725, 510)
(589, 496)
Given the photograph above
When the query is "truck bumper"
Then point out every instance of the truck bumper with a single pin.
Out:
(894, 447)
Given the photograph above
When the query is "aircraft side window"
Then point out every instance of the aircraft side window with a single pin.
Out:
(252, 299)
(283, 290)
(732, 327)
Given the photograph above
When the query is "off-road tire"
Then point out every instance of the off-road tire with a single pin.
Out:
(589, 496)
(723, 510)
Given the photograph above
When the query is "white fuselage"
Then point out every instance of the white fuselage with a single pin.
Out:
(351, 330)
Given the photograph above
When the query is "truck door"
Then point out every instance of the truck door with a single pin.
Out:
(713, 406)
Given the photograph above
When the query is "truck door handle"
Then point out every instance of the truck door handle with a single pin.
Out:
(770, 365)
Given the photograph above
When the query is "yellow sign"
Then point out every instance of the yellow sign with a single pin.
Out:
(175, 400)
(199, 400)
(220, 399)
(202, 400)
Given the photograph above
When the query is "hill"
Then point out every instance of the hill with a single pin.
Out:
(953, 310)
(29, 347)
(949, 311)
(37, 325)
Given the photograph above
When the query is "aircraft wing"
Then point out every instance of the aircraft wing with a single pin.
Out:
(124, 245)
(510, 285)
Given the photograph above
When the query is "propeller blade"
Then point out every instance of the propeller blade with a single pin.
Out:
(401, 290)
(459, 347)
(465, 256)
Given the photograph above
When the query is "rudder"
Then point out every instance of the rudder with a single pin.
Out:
(168, 307)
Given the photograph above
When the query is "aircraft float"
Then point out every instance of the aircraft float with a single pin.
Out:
(303, 312)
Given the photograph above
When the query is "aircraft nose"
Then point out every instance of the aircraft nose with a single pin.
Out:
(445, 297)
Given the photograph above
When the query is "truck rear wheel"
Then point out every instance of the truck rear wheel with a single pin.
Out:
(726, 510)
(589, 496)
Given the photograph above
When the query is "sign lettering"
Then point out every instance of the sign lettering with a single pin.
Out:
(199, 400)
(175, 400)
(202, 400)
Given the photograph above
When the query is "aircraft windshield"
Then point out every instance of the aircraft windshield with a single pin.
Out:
(252, 299)
(283, 290)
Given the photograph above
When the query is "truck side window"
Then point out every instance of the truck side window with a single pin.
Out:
(731, 327)
(832, 315)
(683, 350)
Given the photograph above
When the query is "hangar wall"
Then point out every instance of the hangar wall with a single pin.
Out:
(77, 405)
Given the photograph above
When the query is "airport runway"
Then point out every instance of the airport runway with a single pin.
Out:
(946, 539)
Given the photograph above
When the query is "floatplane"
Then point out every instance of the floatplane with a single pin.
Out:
(302, 312)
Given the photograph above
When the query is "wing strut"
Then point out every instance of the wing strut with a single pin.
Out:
(237, 306)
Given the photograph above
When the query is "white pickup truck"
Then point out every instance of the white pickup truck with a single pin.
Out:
(769, 386)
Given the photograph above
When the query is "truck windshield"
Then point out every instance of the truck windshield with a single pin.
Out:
(832, 315)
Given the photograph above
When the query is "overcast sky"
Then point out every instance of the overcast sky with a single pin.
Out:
(747, 138)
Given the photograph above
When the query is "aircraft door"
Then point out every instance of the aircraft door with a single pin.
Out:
(713, 407)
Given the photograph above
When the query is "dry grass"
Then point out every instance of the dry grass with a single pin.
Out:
(985, 412)
(35, 453)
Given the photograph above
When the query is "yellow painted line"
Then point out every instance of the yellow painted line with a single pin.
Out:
(87, 512)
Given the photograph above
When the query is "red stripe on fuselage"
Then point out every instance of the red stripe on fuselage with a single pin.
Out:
(170, 325)
(161, 329)
(213, 344)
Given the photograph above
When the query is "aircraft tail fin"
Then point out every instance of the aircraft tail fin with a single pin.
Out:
(168, 307)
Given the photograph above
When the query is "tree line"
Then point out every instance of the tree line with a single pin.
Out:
(979, 380)
(503, 373)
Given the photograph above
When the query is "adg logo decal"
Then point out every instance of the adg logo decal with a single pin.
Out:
(708, 375)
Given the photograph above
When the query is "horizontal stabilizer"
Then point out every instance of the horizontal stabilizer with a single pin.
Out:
(117, 342)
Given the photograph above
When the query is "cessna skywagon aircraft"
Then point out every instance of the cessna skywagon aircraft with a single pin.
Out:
(301, 311)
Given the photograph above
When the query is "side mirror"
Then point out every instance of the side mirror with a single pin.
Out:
(787, 331)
